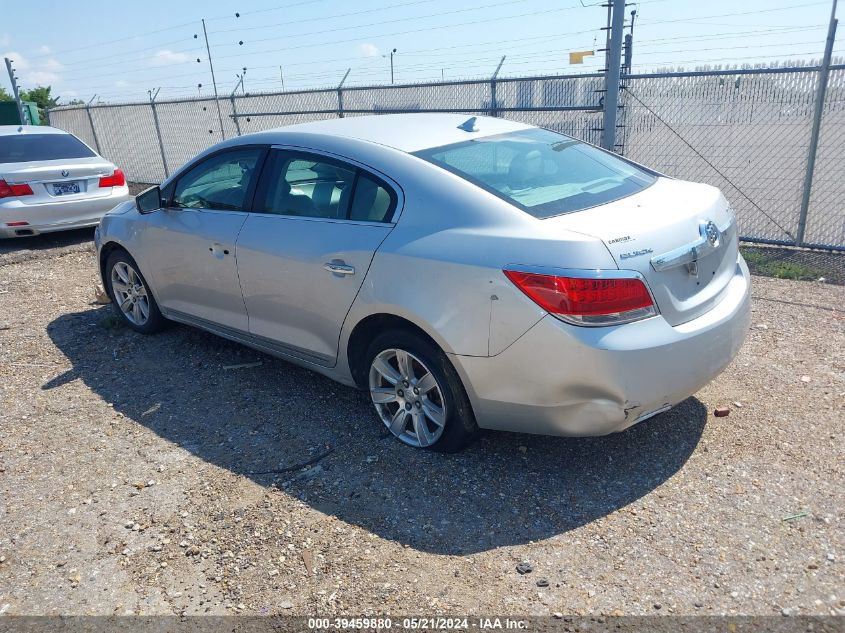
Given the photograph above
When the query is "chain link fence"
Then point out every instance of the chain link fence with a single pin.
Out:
(745, 131)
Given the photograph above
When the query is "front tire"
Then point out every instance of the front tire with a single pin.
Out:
(130, 294)
(417, 393)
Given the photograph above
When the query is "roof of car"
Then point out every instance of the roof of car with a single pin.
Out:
(408, 132)
(10, 130)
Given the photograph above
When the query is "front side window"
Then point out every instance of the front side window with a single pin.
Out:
(541, 172)
(24, 148)
(316, 187)
(220, 182)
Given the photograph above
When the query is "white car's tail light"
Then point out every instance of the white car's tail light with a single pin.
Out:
(589, 300)
(117, 179)
(14, 191)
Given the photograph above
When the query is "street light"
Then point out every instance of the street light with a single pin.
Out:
(392, 53)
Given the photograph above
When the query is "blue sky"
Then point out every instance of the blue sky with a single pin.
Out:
(120, 50)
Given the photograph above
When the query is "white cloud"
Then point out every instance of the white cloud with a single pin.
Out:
(5, 39)
(368, 50)
(121, 83)
(37, 72)
(44, 49)
(167, 57)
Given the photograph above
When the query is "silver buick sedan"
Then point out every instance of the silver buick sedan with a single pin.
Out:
(469, 274)
(52, 181)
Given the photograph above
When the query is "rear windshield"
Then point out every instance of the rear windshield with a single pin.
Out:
(24, 148)
(541, 172)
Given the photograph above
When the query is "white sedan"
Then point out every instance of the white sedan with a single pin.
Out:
(52, 181)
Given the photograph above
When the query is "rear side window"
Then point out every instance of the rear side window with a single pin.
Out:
(314, 186)
(541, 172)
(371, 202)
(24, 148)
(308, 187)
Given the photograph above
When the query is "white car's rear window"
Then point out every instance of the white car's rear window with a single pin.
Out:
(541, 172)
(26, 148)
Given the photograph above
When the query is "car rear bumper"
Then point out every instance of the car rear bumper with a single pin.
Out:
(559, 379)
(59, 215)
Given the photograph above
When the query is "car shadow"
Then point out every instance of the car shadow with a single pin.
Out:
(46, 241)
(250, 413)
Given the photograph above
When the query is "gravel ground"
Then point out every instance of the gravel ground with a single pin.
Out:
(130, 480)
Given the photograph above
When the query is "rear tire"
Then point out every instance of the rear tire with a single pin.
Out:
(417, 393)
(131, 296)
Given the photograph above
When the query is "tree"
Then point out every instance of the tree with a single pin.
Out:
(5, 96)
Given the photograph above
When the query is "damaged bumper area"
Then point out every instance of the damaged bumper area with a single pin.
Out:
(560, 379)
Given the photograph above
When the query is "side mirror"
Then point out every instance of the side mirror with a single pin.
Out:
(149, 200)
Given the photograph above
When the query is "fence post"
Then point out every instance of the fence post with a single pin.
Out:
(235, 117)
(494, 103)
(158, 131)
(340, 94)
(821, 90)
(612, 76)
(91, 123)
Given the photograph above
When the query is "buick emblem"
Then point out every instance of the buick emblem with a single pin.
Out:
(65, 173)
(710, 231)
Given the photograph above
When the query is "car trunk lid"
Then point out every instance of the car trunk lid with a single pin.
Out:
(680, 236)
(55, 179)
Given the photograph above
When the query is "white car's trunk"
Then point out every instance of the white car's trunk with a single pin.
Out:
(48, 178)
(667, 217)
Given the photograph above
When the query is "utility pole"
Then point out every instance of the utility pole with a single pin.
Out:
(392, 53)
(15, 90)
(613, 71)
(213, 81)
(282, 78)
(821, 89)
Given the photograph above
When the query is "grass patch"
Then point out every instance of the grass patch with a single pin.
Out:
(771, 263)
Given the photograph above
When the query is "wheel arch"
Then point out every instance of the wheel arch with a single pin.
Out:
(367, 329)
(105, 250)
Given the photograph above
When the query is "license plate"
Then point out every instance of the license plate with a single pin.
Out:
(64, 188)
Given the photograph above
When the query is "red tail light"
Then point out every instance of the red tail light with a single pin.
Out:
(117, 179)
(587, 300)
(14, 191)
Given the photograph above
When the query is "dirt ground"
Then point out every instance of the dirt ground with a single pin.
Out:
(131, 479)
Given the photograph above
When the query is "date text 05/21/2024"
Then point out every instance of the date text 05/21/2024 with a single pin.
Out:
(421, 623)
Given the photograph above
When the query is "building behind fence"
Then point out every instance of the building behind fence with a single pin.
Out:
(747, 132)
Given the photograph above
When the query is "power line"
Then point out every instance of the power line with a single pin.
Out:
(728, 15)
(323, 18)
(403, 19)
(168, 28)
(97, 63)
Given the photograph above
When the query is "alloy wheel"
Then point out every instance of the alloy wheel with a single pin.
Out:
(407, 397)
(130, 293)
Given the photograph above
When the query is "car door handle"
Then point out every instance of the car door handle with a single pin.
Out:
(339, 268)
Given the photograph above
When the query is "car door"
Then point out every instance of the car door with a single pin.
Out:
(189, 245)
(304, 250)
